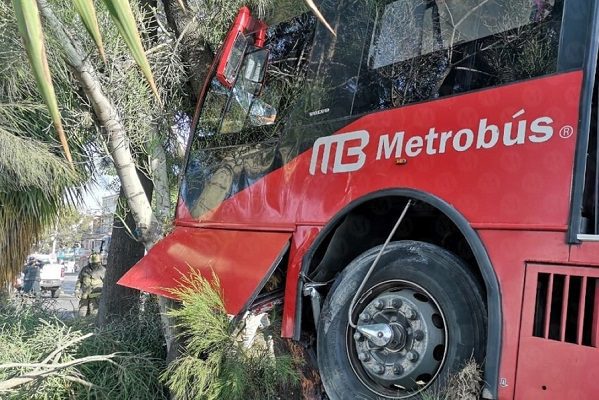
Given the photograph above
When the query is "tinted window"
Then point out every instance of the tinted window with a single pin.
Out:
(336, 60)
(424, 49)
(391, 53)
(590, 203)
(407, 29)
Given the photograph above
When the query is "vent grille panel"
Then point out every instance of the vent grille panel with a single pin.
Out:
(566, 308)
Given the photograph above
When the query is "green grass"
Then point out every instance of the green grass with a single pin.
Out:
(213, 364)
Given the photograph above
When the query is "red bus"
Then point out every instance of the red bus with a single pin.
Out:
(418, 188)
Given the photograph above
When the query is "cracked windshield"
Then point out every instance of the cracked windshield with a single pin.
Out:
(236, 135)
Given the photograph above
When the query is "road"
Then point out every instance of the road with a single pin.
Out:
(67, 302)
(66, 305)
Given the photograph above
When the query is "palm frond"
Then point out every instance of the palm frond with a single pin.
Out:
(30, 26)
(34, 186)
(29, 163)
(23, 216)
(122, 15)
(87, 12)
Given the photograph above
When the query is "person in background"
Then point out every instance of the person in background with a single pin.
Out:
(89, 286)
(32, 278)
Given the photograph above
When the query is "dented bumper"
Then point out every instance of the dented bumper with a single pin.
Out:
(242, 260)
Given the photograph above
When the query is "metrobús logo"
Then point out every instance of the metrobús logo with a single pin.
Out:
(346, 152)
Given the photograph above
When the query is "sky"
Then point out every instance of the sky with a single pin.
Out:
(92, 198)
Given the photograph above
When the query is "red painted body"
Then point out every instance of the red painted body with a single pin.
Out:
(241, 260)
(507, 186)
(516, 197)
(574, 374)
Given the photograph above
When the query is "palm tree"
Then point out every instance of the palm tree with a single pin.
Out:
(106, 108)
(32, 186)
(35, 179)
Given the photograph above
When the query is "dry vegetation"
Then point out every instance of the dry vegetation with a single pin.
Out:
(464, 385)
(43, 357)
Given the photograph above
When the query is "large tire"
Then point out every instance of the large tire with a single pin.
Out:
(439, 323)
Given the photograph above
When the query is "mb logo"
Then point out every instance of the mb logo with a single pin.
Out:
(348, 148)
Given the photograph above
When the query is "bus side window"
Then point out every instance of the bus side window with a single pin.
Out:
(212, 111)
(335, 62)
(424, 49)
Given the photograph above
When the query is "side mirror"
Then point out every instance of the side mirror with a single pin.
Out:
(234, 48)
(244, 32)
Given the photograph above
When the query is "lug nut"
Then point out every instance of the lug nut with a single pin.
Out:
(357, 336)
(396, 303)
(397, 369)
(363, 356)
(365, 317)
(379, 304)
(379, 369)
(411, 314)
(418, 335)
(412, 356)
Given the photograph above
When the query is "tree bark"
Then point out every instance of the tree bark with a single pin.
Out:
(162, 201)
(119, 301)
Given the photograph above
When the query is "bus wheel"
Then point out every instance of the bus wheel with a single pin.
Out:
(419, 318)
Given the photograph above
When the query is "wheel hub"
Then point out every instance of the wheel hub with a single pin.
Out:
(399, 340)
(378, 334)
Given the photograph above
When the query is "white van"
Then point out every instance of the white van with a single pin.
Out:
(52, 276)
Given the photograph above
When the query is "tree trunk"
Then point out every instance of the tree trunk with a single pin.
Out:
(195, 51)
(197, 57)
(119, 301)
(162, 201)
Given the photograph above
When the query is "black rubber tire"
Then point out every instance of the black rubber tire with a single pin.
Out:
(55, 293)
(442, 274)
